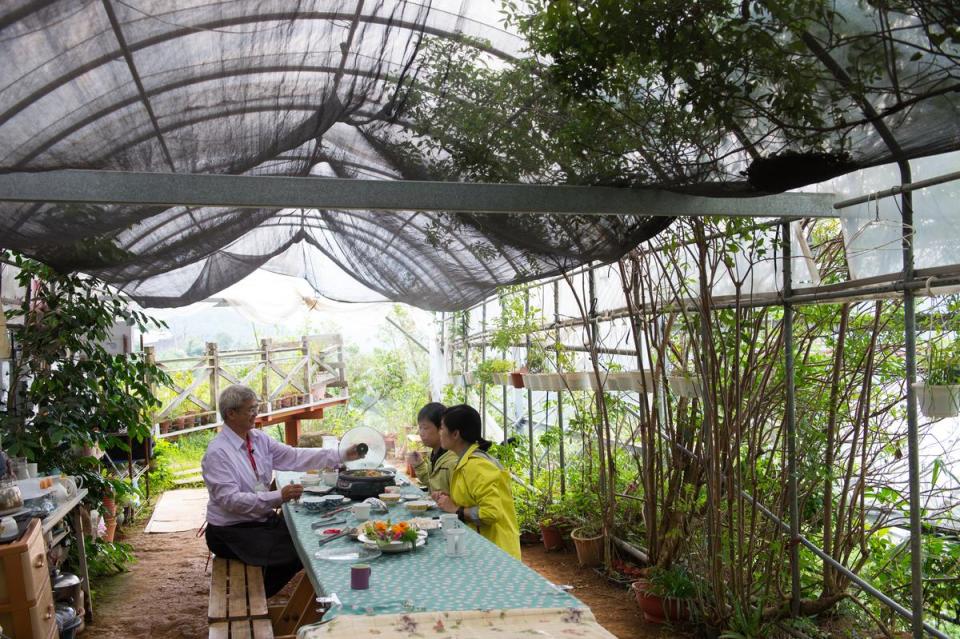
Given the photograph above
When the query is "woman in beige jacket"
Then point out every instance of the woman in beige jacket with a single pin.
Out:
(434, 472)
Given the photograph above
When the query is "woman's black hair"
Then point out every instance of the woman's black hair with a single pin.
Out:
(466, 420)
(432, 412)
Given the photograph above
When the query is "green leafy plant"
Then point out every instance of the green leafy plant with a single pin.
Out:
(488, 368)
(79, 395)
(674, 582)
(943, 363)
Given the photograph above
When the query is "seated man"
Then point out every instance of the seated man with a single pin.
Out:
(238, 466)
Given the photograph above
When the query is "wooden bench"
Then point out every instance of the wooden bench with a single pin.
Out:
(241, 629)
(238, 603)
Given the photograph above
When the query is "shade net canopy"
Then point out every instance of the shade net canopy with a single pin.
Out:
(398, 90)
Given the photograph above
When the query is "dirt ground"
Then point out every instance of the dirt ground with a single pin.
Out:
(613, 606)
(164, 594)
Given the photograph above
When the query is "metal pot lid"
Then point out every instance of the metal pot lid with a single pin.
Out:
(376, 447)
(66, 580)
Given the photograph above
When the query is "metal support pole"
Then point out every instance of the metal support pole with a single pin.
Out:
(526, 315)
(483, 358)
(443, 324)
(913, 429)
(466, 356)
(791, 422)
(556, 342)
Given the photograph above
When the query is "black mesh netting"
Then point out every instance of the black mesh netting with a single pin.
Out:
(324, 88)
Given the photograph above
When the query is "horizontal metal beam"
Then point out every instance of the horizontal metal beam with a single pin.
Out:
(241, 191)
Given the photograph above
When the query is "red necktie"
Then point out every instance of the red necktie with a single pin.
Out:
(253, 462)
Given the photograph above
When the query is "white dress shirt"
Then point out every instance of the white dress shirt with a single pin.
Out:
(232, 484)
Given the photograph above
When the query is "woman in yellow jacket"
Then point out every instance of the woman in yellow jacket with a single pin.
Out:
(480, 486)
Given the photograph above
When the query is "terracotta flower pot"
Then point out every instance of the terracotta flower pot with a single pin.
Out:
(111, 524)
(516, 378)
(529, 537)
(552, 537)
(165, 427)
(589, 548)
(109, 507)
(658, 609)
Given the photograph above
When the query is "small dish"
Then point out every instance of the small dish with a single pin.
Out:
(427, 523)
(389, 498)
(419, 506)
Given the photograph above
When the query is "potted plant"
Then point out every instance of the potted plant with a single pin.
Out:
(632, 381)
(664, 595)
(493, 371)
(516, 377)
(588, 540)
(939, 394)
(579, 380)
(551, 533)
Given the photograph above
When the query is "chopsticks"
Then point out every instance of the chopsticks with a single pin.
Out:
(343, 533)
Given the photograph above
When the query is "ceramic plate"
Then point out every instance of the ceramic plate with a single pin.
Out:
(393, 546)
(352, 553)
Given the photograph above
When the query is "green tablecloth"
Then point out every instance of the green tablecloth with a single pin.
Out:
(426, 580)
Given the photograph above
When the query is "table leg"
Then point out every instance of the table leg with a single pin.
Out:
(298, 607)
(292, 431)
(82, 554)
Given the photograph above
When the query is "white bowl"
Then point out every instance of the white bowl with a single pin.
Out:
(418, 506)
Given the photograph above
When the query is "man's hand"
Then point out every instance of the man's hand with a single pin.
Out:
(445, 503)
(352, 453)
(291, 491)
(414, 458)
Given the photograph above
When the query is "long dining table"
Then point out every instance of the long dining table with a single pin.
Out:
(484, 586)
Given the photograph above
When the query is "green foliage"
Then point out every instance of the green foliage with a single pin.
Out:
(83, 395)
(487, 369)
(942, 367)
(105, 558)
(672, 582)
(388, 385)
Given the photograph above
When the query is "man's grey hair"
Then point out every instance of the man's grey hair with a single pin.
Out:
(233, 397)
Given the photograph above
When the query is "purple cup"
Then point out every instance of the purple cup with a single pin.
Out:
(360, 576)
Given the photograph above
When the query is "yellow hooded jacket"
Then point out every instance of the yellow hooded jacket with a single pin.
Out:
(482, 487)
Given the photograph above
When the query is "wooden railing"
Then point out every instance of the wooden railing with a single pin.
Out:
(283, 374)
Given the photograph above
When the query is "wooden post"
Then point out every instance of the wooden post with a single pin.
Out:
(82, 560)
(342, 367)
(150, 355)
(291, 431)
(265, 358)
(307, 368)
(213, 355)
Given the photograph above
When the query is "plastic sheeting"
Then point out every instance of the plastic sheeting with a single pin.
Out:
(872, 230)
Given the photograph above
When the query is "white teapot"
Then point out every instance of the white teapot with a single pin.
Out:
(71, 484)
